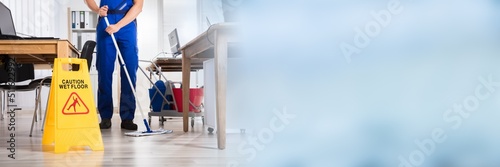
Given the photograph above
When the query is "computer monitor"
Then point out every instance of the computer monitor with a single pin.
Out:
(175, 46)
(6, 22)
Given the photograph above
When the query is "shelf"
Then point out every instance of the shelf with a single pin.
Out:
(84, 30)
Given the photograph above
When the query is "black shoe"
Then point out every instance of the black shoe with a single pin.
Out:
(105, 124)
(129, 125)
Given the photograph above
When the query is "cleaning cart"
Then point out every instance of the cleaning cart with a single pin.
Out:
(166, 97)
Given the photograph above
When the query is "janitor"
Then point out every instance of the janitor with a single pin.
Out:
(122, 16)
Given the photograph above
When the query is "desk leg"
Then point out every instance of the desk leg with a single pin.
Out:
(63, 50)
(220, 88)
(186, 71)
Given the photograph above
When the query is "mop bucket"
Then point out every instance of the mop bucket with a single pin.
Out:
(156, 98)
(195, 97)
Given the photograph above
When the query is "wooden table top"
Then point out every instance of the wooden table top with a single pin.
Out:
(175, 64)
(41, 51)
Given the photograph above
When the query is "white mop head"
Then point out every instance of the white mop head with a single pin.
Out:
(145, 133)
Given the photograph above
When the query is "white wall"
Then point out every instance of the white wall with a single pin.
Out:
(148, 24)
(211, 10)
(39, 18)
(182, 15)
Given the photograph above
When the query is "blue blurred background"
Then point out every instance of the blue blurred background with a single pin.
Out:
(369, 111)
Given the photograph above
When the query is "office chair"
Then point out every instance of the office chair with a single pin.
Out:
(87, 53)
(11, 72)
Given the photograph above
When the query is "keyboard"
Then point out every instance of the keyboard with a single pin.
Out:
(38, 38)
(10, 37)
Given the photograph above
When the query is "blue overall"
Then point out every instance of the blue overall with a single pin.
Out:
(106, 56)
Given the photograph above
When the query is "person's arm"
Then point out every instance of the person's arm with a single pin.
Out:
(129, 17)
(103, 11)
(92, 5)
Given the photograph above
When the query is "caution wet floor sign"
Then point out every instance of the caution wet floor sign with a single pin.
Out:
(71, 115)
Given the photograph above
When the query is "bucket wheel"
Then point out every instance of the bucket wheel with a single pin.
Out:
(192, 122)
(210, 130)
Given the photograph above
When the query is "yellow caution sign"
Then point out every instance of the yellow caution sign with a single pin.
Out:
(71, 115)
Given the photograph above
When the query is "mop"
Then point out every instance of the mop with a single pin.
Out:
(148, 131)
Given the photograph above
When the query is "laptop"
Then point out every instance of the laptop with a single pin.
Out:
(7, 28)
(175, 46)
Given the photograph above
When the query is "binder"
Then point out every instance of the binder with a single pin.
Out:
(87, 20)
(77, 20)
(80, 42)
(74, 39)
(92, 20)
(92, 36)
(83, 39)
(87, 36)
(73, 19)
(82, 19)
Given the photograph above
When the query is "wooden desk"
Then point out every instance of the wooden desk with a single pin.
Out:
(175, 64)
(38, 51)
(213, 43)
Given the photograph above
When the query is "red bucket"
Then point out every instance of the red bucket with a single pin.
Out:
(195, 96)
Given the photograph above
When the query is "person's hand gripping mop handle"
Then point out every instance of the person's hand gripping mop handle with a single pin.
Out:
(122, 63)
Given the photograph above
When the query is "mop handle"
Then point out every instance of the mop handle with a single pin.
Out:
(128, 76)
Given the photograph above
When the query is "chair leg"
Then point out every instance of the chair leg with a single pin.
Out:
(3, 103)
(45, 114)
(43, 123)
(39, 102)
(32, 123)
(40, 108)
(36, 109)
(36, 106)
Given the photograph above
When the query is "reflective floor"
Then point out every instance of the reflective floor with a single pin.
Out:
(195, 148)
